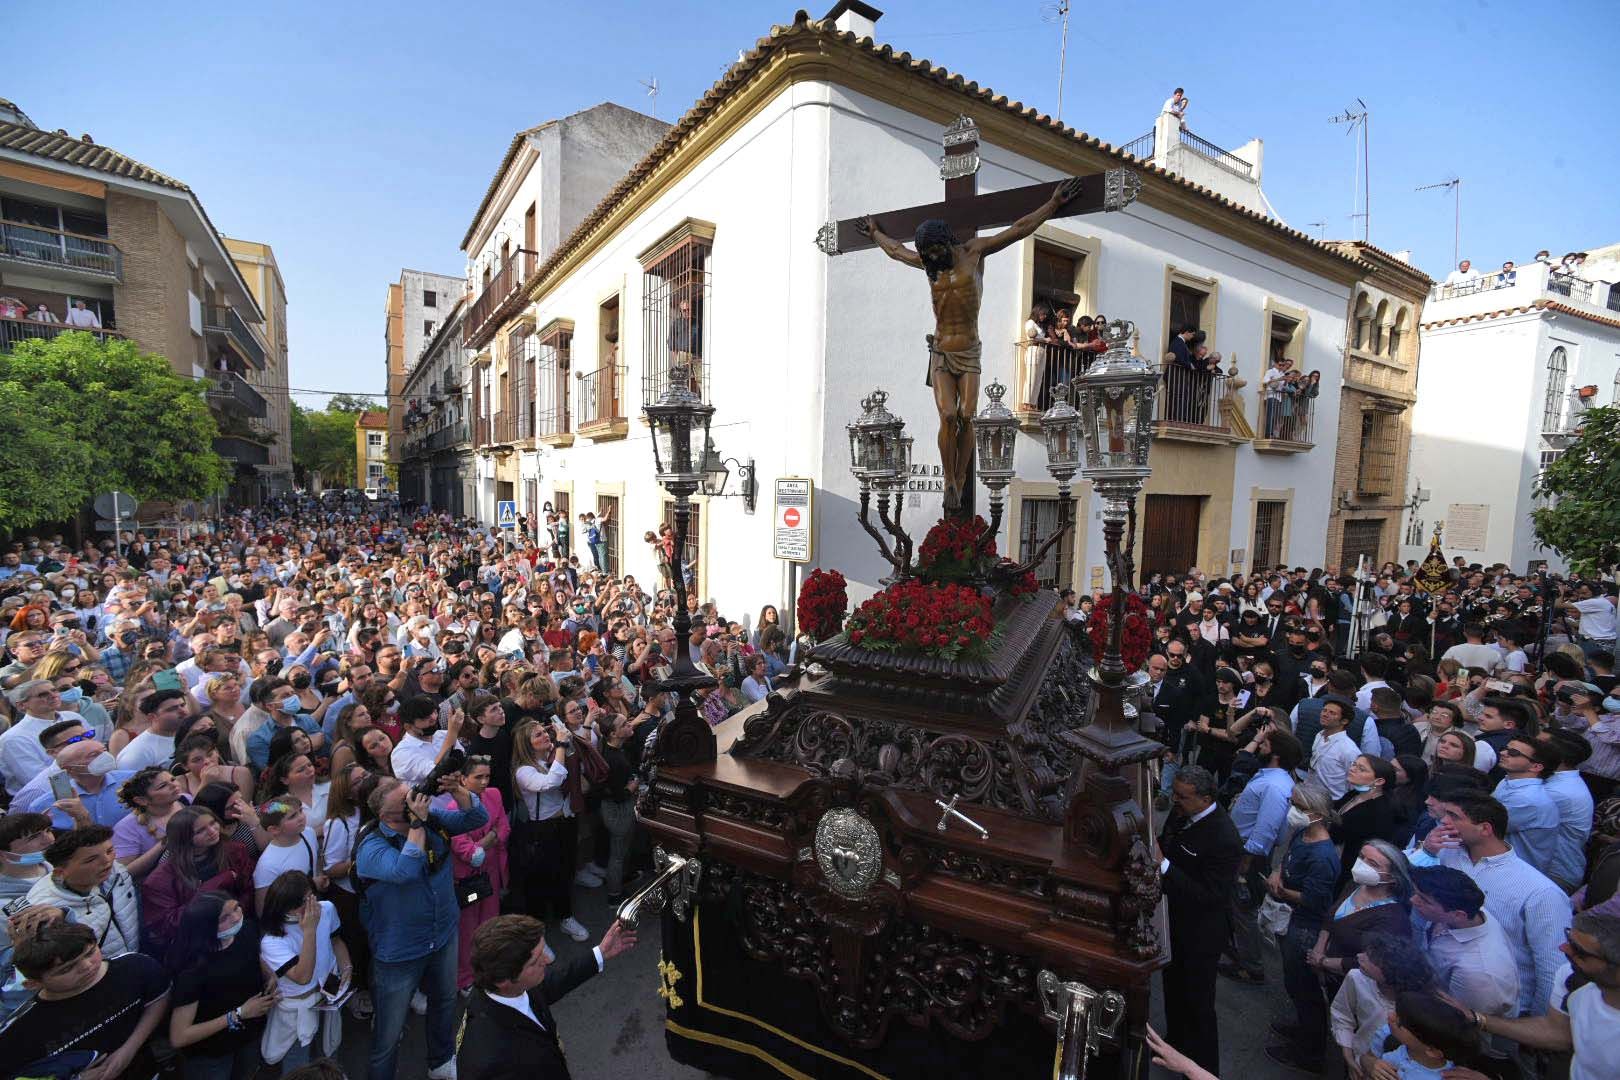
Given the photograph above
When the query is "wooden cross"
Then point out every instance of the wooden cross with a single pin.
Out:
(967, 212)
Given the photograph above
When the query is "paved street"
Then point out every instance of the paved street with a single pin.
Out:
(613, 1025)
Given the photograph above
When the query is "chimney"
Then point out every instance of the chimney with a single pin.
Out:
(854, 17)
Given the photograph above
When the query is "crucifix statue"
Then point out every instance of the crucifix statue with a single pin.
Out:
(950, 251)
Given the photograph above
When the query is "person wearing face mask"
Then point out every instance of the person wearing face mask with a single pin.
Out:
(23, 840)
(1377, 902)
(22, 757)
(86, 882)
(220, 995)
(424, 743)
(198, 859)
(94, 779)
(1365, 810)
(285, 710)
(1601, 771)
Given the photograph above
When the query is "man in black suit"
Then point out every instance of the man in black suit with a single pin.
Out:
(1198, 861)
(508, 1032)
(1178, 693)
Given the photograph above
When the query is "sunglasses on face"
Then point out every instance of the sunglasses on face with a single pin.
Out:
(63, 745)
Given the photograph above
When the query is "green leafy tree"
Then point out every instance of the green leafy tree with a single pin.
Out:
(133, 425)
(1582, 519)
(323, 441)
(351, 403)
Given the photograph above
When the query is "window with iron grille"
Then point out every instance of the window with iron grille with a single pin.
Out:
(1552, 410)
(1361, 537)
(1040, 521)
(522, 352)
(689, 550)
(1375, 467)
(1547, 458)
(555, 416)
(607, 522)
(1269, 518)
(675, 311)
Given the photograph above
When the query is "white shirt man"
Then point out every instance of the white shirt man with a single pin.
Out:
(1332, 753)
(83, 317)
(1597, 619)
(413, 759)
(1176, 105)
(21, 756)
(1465, 272)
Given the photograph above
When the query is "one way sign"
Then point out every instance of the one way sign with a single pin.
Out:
(506, 513)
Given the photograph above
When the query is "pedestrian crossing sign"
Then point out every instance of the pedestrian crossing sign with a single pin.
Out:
(506, 513)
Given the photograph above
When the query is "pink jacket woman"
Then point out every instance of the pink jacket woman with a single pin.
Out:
(463, 850)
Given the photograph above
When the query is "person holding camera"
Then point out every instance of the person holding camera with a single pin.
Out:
(409, 907)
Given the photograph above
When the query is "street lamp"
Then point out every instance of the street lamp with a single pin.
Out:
(716, 474)
(995, 434)
(680, 428)
(880, 457)
(1116, 416)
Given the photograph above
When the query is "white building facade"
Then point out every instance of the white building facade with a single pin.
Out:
(1509, 364)
(706, 248)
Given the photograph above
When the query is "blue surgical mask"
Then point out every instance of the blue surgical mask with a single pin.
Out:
(292, 706)
(71, 695)
(1362, 788)
(32, 858)
(1611, 704)
(226, 935)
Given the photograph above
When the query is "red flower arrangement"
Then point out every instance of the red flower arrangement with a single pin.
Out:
(951, 551)
(823, 600)
(1137, 639)
(921, 619)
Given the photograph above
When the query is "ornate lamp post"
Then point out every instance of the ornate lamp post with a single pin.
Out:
(1116, 418)
(995, 434)
(880, 457)
(680, 427)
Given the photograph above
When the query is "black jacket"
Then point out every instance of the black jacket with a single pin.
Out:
(1177, 703)
(1203, 865)
(496, 1042)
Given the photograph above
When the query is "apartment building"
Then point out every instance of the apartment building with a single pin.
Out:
(415, 310)
(371, 459)
(436, 458)
(1380, 381)
(1511, 359)
(550, 178)
(705, 248)
(256, 262)
(122, 250)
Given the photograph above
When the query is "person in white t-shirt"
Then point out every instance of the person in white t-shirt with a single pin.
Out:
(83, 317)
(293, 846)
(1585, 1019)
(1465, 272)
(1597, 629)
(165, 710)
(1176, 105)
(1473, 652)
(311, 963)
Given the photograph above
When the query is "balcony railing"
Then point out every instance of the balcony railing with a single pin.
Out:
(1286, 424)
(601, 396)
(1042, 366)
(480, 431)
(241, 451)
(1191, 400)
(15, 330)
(506, 283)
(1223, 158)
(504, 429)
(1568, 285)
(451, 435)
(1557, 283)
(1140, 148)
(224, 321)
(89, 256)
(655, 378)
(232, 394)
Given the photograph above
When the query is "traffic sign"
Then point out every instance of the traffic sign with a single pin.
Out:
(791, 536)
(506, 513)
(116, 504)
(103, 525)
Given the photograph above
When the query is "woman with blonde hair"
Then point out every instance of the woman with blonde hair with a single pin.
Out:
(67, 672)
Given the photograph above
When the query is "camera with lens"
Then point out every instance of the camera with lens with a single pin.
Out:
(453, 762)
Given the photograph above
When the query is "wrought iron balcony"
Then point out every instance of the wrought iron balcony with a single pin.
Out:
(90, 257)
(15, 330)
(447, 437)
(231, 393)
(1287, 426)
(601, 402)
(1042, 366)
(1189, 405)
(484, 317)
(223, 322)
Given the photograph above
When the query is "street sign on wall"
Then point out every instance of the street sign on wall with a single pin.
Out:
(506, 513)
(790, 528)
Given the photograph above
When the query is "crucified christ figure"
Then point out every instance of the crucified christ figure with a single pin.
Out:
(956, 278)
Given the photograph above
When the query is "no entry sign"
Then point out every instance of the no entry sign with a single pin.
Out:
(791, 530)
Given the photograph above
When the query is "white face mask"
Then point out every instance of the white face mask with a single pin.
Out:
(1364, 873)
(102, 764)
(1297, 818)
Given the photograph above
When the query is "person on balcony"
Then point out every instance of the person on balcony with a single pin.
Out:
(1037, 333)
(1465, 272)
(43, 314)
(1273, 388)
(83, 317)
(1179, 368)
(1507, 276)
(1176, 105)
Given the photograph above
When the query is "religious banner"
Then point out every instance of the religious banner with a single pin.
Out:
(1433, 574)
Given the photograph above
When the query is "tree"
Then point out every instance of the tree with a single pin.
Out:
(350, 403)
(106, 416)
(323, 441)
(1582, 519)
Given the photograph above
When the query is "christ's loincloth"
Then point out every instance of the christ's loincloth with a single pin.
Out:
(956, 362)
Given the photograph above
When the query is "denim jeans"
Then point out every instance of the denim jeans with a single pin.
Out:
(619, 818)
(392, 985)
(599, 554)
(238, 1066)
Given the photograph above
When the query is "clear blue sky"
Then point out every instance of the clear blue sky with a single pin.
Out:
(359, 138)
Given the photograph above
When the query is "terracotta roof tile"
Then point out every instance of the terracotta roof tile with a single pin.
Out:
(1525, 309)
(370, 419)
(86, 155)
(803, 26)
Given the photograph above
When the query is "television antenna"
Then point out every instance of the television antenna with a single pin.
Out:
(1360, 117)
(651, 83)
(1320, 226)
(1455, 186)
(1059, 13)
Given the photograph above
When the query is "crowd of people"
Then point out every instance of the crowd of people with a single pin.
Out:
(1058, 347)
(1426, 825)
(319, 764)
